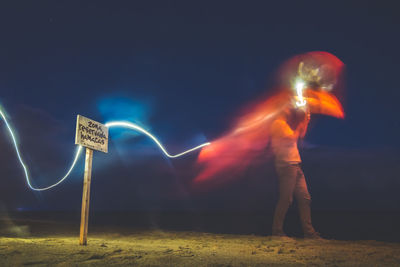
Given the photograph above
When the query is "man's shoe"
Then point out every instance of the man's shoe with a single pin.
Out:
(280, 235)
(313, 235)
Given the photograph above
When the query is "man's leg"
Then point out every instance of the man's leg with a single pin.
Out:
(287, 181)
(304, 202)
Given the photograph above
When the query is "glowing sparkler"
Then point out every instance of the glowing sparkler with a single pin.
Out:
(122, 124)
(299, 86)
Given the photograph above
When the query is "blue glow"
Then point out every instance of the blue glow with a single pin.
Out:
(123, 108)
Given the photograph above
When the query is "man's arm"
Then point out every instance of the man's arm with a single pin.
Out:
(281, 129)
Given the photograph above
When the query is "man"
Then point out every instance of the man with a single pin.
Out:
(286, 130)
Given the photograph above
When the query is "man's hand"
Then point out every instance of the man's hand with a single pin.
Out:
(303, 125)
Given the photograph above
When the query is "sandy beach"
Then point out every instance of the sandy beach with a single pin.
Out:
(44, 243)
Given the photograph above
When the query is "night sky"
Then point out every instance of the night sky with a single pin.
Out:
(183, 69)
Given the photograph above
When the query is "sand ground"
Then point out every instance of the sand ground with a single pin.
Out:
(111, 247)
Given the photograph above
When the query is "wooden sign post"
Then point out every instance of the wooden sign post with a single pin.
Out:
(86, 197)
(93, 136)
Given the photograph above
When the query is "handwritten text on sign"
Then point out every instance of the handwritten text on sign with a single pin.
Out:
(91, 134)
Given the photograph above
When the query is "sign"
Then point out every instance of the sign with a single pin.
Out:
(94, 136)
(91, 134)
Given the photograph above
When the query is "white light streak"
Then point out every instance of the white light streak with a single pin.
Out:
(25, 168)
(132, 126)
(299, 86)
(78, 152)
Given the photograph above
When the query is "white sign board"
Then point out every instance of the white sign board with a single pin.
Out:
(91, 134)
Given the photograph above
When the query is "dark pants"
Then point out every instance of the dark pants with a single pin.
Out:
(292, 182)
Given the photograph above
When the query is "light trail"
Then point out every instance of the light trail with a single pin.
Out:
(78, 152)
(28, 181)
(133, 126)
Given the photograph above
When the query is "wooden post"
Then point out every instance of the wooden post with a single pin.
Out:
(86, 197)
(93, 136)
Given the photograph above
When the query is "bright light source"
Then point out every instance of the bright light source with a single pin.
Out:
(299, 86)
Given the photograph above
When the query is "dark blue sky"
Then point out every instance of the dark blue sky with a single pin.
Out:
(183, 69)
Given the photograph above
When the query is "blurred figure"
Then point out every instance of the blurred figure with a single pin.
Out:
(285, 132)
(310, 81)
